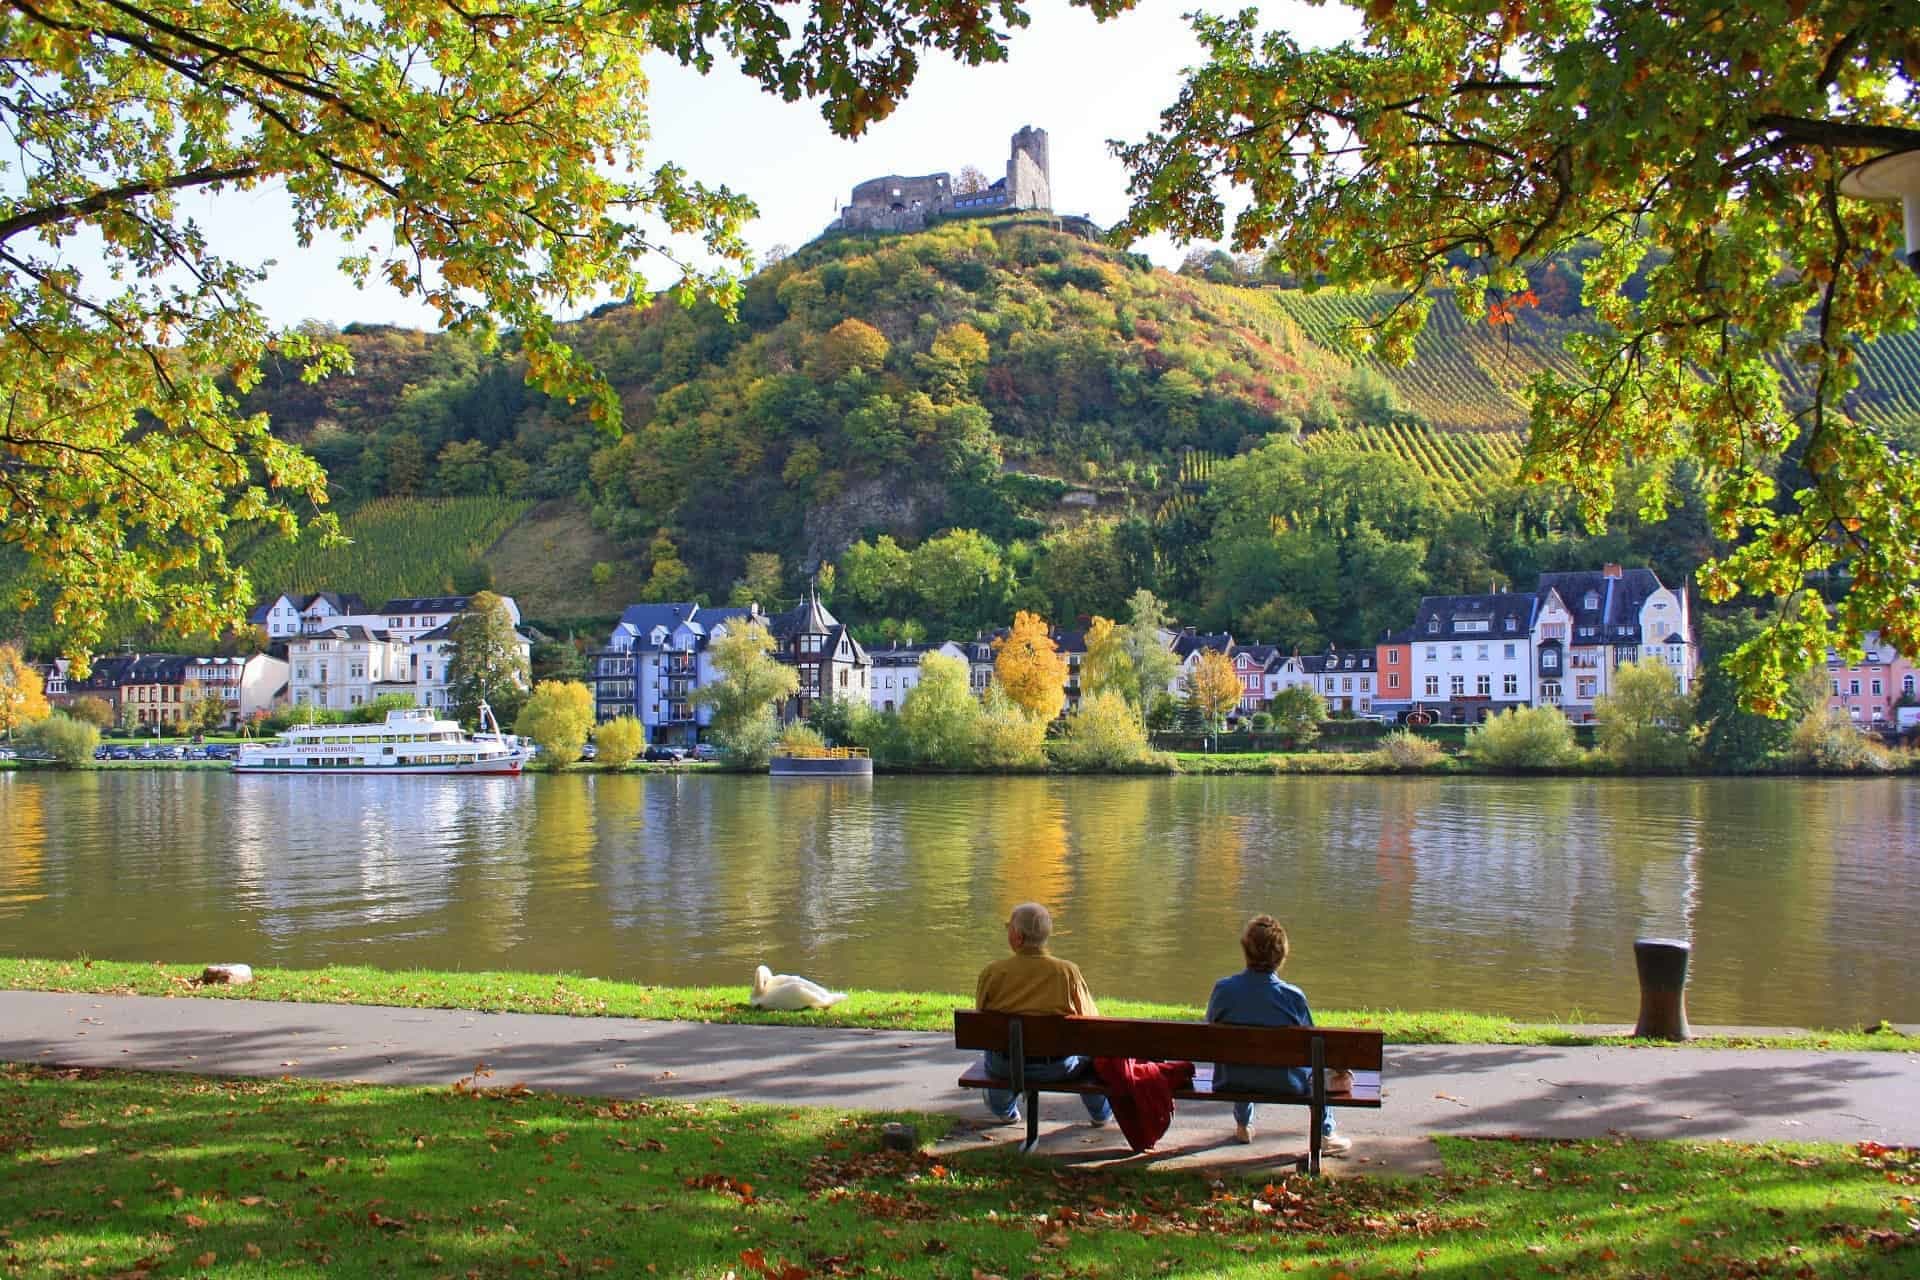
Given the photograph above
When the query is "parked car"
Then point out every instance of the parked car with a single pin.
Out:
(119, 753)
(195, 753)
(658, 754)
(706, 751)
(219, 752)
(7, 753)
(589, 752)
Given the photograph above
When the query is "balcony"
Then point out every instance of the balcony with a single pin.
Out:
(679, 664)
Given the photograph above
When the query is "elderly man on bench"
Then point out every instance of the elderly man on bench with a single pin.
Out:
(1033, 981)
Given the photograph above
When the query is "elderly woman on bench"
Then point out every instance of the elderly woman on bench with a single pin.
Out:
(1033, 981)
(1256, 997)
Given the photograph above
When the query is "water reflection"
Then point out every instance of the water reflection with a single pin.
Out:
(1514, 896)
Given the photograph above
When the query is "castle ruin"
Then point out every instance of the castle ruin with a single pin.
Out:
(897, 203)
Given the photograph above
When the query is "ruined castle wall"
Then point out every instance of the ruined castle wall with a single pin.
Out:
(1029, 171)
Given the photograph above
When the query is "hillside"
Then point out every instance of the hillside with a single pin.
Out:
(1002, 376)
(905, 382)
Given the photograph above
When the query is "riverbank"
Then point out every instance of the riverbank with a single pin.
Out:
(110, 1173)
(881, 1010)
(1160, 764)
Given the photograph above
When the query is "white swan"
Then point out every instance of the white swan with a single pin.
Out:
(786, 992)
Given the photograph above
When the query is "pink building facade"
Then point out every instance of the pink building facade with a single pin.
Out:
(1868, 691)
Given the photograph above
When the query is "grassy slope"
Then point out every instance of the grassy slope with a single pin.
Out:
(148, 1176)
(545, 562)
(893, 1010)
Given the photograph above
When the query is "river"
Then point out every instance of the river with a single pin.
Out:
(1514, 896)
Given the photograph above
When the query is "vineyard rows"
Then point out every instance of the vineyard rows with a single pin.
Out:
(1465, 375)
(1473, 375)
(396, 547)
(1459, 466)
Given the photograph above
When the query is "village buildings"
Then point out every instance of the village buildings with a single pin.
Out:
(1873, 691)
(158, 690)
(343, 653)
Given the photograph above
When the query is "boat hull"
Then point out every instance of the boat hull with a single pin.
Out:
(487, 768)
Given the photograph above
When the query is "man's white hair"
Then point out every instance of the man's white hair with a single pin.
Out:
(1033, 922)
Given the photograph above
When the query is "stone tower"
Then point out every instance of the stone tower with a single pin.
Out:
(1029, 176)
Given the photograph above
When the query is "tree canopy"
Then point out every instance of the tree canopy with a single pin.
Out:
(499, 151)
(752, 684)
(1696, 154)
(487, 665)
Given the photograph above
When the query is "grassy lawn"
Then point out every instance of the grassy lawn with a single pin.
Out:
(893, 1010)
(115, 1174)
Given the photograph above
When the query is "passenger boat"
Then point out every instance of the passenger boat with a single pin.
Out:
(410, 741)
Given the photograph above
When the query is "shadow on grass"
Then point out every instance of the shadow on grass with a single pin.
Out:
(180, 1175)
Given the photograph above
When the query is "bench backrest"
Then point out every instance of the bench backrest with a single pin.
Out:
(1055, 1035)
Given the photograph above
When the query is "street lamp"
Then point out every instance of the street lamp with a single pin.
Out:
(1895, 176)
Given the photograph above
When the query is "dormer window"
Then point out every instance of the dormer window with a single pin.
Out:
(1511, 624)
(1592, 600)
(1433, 626)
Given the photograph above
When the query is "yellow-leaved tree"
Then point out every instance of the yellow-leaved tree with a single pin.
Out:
(23, 698)
(1213, 688)
(558, 716)
(488, 160)
(1029, 666)
(618, 741)
(1107, 667)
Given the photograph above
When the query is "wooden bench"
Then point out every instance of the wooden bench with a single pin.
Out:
(1318, 1049)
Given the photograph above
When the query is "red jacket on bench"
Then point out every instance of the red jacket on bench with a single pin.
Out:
(1142, 1095)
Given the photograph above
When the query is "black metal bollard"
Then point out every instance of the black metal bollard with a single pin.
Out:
(1662, 963)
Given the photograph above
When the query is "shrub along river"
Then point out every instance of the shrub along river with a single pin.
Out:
(1513, 896)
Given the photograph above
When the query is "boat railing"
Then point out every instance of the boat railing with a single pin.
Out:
(823, 753)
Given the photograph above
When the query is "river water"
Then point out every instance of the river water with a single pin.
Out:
(1516, 896)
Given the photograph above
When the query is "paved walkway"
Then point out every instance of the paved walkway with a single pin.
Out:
(1430, 1089)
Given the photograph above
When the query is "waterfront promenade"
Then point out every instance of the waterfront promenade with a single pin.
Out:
(1565, 1092)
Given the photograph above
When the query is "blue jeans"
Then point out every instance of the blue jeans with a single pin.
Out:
(1005, 1103)
(1243, 1114)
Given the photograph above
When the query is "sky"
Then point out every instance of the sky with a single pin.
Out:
(1082, 81)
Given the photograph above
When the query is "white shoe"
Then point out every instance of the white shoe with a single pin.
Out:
(1243, 1133)
(1334, 1144)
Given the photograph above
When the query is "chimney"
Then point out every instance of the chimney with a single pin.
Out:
(1609, 570)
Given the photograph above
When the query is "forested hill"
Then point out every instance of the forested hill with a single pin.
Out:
(1069, 403)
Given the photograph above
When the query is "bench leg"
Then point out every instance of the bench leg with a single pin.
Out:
(1319, 1115)
(1033, 1122)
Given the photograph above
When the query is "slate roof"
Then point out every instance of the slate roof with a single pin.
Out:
(1493, 609)
(1617, 602)
(342, 602)
(353, 631)
(807, 618)
(1188, 642)
(426, 604)
(133, 668)
(1263, 656)
(1354, 660)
